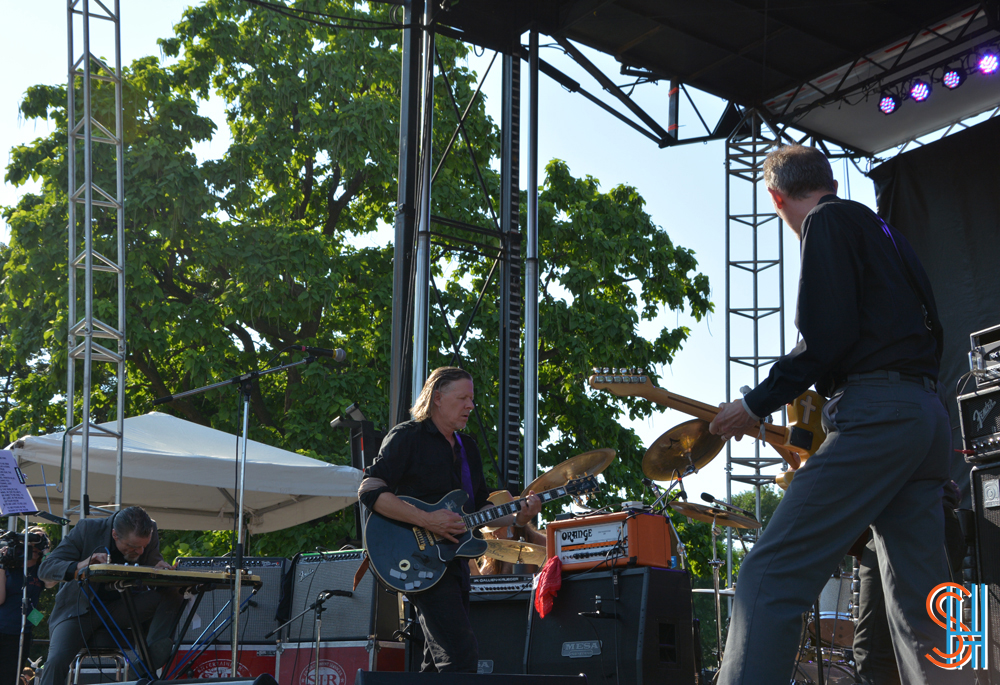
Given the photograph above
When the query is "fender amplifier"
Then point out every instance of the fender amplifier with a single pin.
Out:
(621, 539)
(371, 610)
(980, 418)
(259, 617)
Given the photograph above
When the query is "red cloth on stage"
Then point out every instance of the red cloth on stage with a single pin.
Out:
(549, 582)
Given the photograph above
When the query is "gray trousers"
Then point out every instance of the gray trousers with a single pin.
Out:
(884, 462)
(159, 608)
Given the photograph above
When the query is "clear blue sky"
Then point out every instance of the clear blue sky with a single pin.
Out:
(684, 187)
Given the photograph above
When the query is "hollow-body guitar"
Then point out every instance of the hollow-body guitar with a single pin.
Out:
(409, 558)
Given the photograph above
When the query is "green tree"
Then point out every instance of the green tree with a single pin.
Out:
(232, 260)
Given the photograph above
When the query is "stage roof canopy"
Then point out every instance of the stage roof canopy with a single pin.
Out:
(820, 66)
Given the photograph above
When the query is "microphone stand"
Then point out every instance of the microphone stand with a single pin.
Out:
(679, 482)
(318, 605)
(245, 384)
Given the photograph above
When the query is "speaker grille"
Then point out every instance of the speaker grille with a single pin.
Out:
(259, 618)
(985, 495)
(371, 609)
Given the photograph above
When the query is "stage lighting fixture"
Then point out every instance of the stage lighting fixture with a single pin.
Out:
(988, 63)
(920, 91)
(888, 104)
(953, 78)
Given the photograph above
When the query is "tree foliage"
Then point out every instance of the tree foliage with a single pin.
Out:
(231, 260)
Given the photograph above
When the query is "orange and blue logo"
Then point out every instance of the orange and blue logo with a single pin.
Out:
(966, 642)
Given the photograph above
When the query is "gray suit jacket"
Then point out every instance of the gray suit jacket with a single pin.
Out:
(86, 537)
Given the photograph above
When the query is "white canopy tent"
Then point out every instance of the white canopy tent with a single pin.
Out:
(184, 475)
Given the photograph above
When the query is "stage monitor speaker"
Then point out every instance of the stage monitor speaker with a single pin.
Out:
(257, 620)
(375, 678)
(370, 611)
(986, 505)
(633, 626)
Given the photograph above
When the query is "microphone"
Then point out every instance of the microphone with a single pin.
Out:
(708, 498)
(338, 355)
(336, 593)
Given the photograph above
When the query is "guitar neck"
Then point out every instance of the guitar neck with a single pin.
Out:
(487, 516)
(774, 435)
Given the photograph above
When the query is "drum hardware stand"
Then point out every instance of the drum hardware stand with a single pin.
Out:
(715, 563)
(820, 677)
(245, 384)
(661, 494)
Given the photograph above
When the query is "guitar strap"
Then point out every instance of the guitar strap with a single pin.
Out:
(466, 474)
(360, 573)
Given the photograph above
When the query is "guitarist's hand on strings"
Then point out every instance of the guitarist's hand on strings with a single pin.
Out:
(445, 523)
(732, 421)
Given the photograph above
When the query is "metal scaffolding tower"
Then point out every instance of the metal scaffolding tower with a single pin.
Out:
(755, 303)
(93, 206)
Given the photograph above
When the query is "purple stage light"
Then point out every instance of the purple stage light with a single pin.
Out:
(952, 79)
(920, 91)
(888, 104)
(988, 63)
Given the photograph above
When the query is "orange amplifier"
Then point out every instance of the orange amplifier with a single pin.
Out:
(625, 538)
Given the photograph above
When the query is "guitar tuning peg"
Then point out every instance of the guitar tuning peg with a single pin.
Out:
(607, 370)
(594, 370)
(642, 372)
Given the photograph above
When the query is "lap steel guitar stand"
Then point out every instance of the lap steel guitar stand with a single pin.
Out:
(124, 579)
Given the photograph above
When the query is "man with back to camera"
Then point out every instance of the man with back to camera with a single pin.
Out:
(128, 536)
(426, 458)
(871, 342)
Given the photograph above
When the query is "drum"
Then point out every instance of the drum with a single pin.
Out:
(836, 669)
(836, 622)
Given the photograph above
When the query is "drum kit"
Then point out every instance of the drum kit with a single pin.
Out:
(679, 452)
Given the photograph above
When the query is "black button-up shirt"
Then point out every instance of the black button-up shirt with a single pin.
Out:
(417, 461)
(857, 311)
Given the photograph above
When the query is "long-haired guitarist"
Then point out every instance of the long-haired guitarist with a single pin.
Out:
(426, 458)
(871, 342)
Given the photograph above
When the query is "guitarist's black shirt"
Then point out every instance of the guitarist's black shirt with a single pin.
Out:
(857, 310)
(416, 460)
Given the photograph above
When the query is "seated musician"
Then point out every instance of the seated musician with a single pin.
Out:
(487, 566)
(129, 536)
(427, 458)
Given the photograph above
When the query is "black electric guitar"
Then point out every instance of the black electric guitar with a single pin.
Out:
(409, 558)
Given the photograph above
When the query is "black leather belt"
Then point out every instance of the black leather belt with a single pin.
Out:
(926, 381)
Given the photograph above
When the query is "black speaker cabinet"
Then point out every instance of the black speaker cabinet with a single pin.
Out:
(500, 622)
(986, 505)
(371, 610)
(259, 618)
(635, 623)
(385, 678)
(979, 413)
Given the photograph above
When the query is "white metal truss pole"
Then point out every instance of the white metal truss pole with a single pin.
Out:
(90, 135)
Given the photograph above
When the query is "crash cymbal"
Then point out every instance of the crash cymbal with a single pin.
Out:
(586, 464)
(684, 448)
(516, 552)
(722, 517)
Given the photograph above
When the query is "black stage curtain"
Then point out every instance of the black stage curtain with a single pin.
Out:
(945, 198)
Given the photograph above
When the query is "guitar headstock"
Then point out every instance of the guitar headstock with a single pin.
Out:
(582, 485)
(622, 382)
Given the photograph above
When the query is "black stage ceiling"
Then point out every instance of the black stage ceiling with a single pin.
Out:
(819, 66)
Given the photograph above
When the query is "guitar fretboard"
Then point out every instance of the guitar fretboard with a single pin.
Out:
(484, 517)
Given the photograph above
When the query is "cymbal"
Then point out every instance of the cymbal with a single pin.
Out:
(722, 517)
(585, 464)
(685, 447)
(516, 552)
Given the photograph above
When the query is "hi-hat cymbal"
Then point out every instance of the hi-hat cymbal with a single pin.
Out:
(585, 464)
(722, 517)
(516, 552)
(684, 448)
